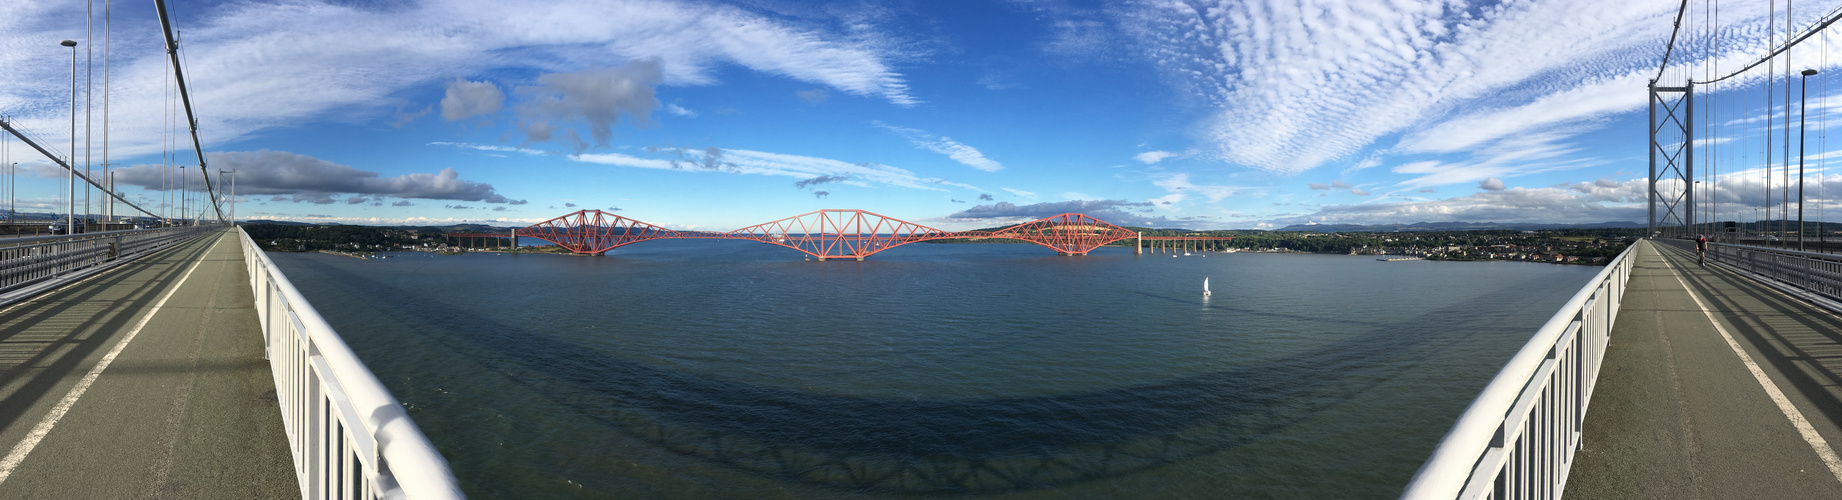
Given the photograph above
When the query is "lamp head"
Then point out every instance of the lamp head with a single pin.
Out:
(68, 43)
(1809, 72)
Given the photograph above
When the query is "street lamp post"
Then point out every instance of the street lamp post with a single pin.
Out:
(1801, 112)
(70, 178)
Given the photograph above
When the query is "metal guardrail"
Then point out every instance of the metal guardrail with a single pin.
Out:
(1817, 274)
(1518, 438)
(28, 260)
(350, 437)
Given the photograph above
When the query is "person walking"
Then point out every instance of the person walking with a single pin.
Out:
(1701, 250)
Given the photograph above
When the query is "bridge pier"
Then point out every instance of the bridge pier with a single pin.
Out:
(1138, 244)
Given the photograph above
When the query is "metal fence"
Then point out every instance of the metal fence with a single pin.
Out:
(1813, 273)
(350, 437)
(33, 259)
(1518, 438)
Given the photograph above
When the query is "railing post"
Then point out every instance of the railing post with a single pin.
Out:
(331, 405)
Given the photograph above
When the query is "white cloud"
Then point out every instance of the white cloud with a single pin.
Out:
(1021, 193)
(1491, 184)
(489, 147)
(1153, 157)
(945, 145)
(1335, 184)
(1180, 183)
(680, 111)
(1168, 202)
(746, 162)
(1295, 85)
(255, 66)
(621, 160)
(1544, 205)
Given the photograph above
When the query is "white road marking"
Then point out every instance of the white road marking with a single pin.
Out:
(1822, 448)
(44, 426)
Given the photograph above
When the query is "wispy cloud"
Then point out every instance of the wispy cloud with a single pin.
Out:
(1588, 202)
(945, 145)
(1153, 157)
(325, 60)
(747, 162)
(1180, 183)
(1296, 85)
(1006, 210)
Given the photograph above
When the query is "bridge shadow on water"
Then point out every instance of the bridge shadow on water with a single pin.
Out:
(921, 447)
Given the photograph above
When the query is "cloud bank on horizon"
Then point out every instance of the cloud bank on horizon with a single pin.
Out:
(1198, 113)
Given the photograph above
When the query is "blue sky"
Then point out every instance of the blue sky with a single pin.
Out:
(705, 115)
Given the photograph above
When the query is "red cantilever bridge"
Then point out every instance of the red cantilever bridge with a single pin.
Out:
(827, 234)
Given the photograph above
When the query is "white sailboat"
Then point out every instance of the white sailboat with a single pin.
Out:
(1205, 287)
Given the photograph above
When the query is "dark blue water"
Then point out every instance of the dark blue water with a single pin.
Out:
(722, 369)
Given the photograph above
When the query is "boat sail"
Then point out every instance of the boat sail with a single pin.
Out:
(1205, 287)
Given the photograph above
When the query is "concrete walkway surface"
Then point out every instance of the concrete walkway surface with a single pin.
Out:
(1679, 413)
(186, 409)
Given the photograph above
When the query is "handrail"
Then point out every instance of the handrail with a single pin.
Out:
(1517, 439)
(33, 262)
(350, 436)
(99, 234)
(1817, 274)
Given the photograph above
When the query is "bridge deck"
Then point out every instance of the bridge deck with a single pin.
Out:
(1677, 413)
(185, 410)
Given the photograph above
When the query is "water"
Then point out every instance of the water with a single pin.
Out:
(724, 369)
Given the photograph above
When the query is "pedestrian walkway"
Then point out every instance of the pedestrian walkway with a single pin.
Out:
(146, 381)
(1713, 386)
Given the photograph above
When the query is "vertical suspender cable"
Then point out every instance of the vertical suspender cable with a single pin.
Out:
(172, 52)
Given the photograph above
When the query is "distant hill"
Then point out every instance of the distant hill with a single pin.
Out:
(1456, 226)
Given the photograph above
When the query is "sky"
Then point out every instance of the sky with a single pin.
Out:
(1236, 114)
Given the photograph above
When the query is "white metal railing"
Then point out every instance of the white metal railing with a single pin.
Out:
(32, 259)
(1814, 273)
(1518, 438)
(350, 437)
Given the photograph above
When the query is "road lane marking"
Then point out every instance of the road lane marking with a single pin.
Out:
(12, 460)
(1802, 424)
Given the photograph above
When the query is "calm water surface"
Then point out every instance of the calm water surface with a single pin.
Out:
(723, 369)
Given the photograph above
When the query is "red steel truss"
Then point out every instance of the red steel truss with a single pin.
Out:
(825, 234)
(1068, 234)
(838, 234)
(596, 232)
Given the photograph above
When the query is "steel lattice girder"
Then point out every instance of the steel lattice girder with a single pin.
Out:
(1069, 233)
(824, 234)
(833, 234)
(595, 231)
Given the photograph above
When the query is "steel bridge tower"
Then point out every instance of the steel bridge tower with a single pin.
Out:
(1672, 140)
